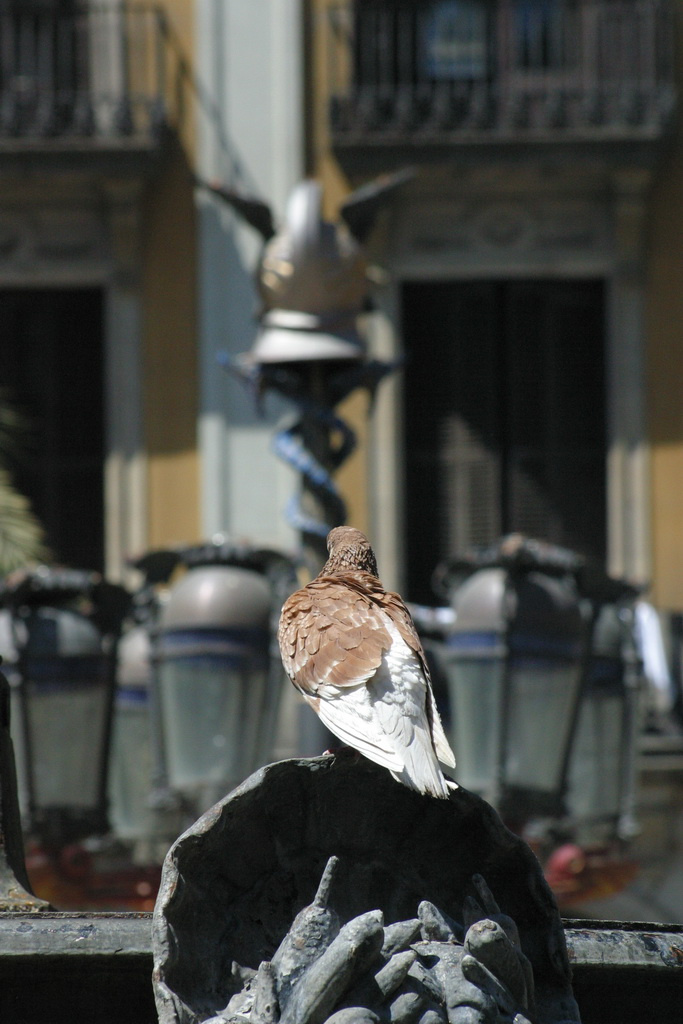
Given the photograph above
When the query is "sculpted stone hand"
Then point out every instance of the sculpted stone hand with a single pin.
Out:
(242, 937)
(351, 648)
(365, 972)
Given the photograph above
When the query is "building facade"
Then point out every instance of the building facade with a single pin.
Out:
(524, 271)
(97, 277)
(527, 274)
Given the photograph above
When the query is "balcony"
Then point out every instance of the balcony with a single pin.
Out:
(421, 78)
(80, 79)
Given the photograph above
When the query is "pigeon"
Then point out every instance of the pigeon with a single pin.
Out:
(351, 648)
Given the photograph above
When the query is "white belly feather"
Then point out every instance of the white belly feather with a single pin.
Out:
(385, 718)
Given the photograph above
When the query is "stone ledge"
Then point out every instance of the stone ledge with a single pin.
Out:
(98, 967)
(75, 934)
(624, 945)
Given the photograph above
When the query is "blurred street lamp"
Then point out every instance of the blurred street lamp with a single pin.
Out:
(514, 663)
(313, 282)
(545, 684)
(601, 783)
(217, 682)
(65, 625)
(132, 756)
(314, 286)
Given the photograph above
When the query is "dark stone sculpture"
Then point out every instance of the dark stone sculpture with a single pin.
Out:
(322, 892)
(15, 888)
(375, 973)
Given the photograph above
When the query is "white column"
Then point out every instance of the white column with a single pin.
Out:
(125, 463)
(107, 63)
(628, 484)
(387, 445)
(250, 120)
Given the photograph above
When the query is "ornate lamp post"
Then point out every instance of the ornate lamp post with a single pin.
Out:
(602, 772)
(545, 685)
(313, 284)
(217, 680)
(132, 813)
(65, 626)
(515, 660)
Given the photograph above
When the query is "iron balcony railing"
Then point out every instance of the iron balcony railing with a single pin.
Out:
(82, 71)
(426, 69)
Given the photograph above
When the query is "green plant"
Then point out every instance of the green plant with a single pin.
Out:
(21, 534)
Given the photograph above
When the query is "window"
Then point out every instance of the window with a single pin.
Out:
(455, 41)
(543, 31)
(42, 54)
(505, 417)
(52, 365)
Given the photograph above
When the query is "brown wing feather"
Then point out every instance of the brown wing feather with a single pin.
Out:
(332, 632)
(393, 605)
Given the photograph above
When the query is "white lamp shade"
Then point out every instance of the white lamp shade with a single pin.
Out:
(475, 688)
(132, 761)
(67, 697)
(67, 721)
(210, 709)
(540, 711)
(595, 775)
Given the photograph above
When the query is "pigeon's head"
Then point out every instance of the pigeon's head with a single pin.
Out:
(349, 549)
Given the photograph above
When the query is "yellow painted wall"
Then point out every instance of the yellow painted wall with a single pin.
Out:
(664, 330)
(170, 335)
(352, 476)
(665, 383)
(170, 321)
(664, 365)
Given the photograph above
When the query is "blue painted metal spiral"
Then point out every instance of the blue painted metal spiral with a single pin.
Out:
(288, 445)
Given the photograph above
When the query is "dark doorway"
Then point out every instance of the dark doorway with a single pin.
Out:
(52, 368)
(505, 417)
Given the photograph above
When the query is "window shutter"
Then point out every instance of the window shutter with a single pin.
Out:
(469, 471)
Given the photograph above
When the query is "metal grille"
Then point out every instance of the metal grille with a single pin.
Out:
(470, 476)
(397, 68)
(504, 417)
(81, 71)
